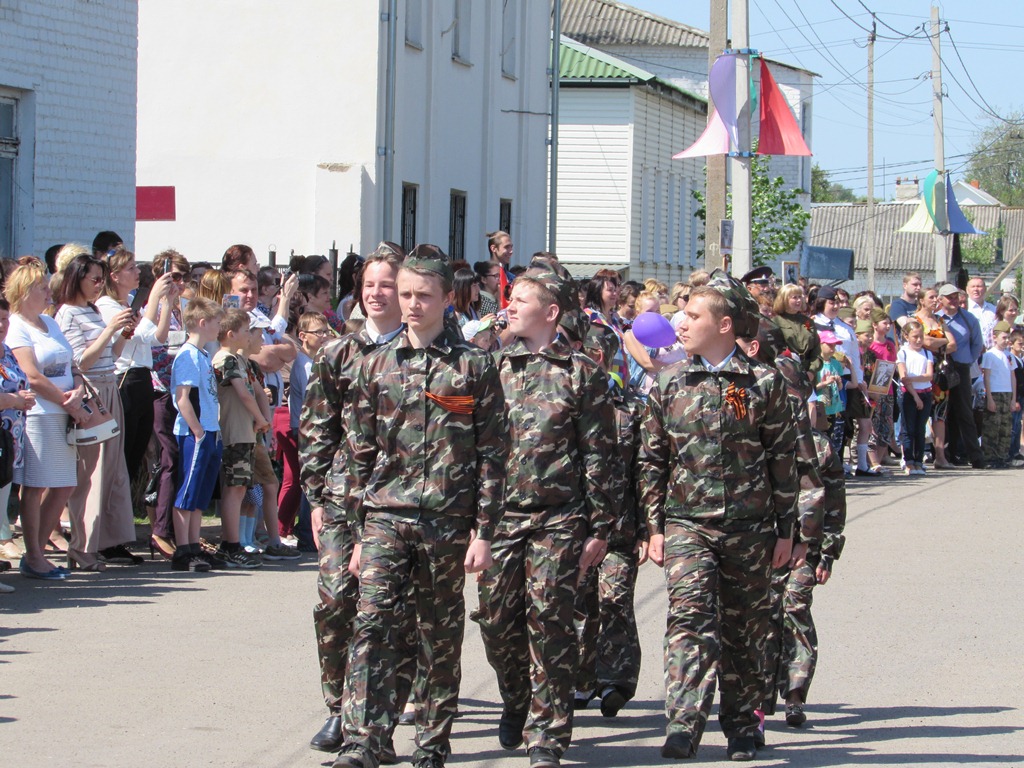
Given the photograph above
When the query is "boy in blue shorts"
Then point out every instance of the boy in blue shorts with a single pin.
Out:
(196, 428)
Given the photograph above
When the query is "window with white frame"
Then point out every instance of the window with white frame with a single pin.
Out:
(8, 162)
(509, 20)
(461, 27)
(414, 23)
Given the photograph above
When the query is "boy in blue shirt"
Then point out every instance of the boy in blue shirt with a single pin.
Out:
(196, 426)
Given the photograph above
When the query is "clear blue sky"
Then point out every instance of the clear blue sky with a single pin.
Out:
(819, 37)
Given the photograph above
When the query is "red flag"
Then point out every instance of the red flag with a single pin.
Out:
(780, 135)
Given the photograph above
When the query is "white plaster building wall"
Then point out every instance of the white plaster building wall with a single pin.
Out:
(71, 66)
(595, 175)
(263, 117)
(663, 232)
(465, 125)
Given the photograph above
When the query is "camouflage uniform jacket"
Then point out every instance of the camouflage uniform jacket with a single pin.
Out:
(835, 501)
(812, 487)
(562, 425)
(802, 338)
(718, 448)
(629, 527)
(410, 446)
(323, 462)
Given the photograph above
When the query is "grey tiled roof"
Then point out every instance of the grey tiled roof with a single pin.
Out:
(842, 225)
(604, 22)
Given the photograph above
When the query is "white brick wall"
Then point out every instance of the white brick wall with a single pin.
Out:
(73, 65)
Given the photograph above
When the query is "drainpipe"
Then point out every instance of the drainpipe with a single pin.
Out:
(388, 150)
(556, 42)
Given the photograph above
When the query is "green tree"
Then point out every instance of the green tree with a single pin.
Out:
(778, 221)
(824, 190)
(980, 249)
(997, 160)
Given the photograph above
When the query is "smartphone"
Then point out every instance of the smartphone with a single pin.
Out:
(167, 266)
(141, 297)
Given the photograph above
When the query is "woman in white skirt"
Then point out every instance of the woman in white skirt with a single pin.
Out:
(48, 474)
(101, 505)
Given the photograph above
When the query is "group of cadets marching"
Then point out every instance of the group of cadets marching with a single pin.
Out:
(425, 458)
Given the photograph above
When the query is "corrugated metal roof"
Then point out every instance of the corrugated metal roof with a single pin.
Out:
(604, 22)
(843, 226)
(579, 61)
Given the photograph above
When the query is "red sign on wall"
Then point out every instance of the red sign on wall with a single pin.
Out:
(154, 204)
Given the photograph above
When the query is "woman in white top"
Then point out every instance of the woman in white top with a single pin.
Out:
(48, 474)
(101, 505)
(134, 367)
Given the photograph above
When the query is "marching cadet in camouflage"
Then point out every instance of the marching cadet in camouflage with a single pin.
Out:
(558, 510)
(609, 642)
(718, 486)
(428, 444)
(323, 462)
(770, 348)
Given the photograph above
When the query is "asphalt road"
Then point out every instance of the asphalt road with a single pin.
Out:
(921, 656)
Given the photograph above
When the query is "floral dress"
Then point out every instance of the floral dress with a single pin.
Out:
(12, 381)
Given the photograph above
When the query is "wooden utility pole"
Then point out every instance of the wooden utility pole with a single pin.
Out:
(869, 229)
(940, 151)
(739, 166)
(714, 198)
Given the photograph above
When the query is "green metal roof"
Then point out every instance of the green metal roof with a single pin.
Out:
(581, 62)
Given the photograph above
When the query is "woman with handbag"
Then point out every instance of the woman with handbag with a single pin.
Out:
(100, 507)
(48, 475)
(940, 342)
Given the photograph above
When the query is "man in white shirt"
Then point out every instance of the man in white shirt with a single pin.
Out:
(983, 311)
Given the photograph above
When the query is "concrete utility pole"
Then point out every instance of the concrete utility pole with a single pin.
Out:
(556, 44)
(740, 165)
(940, 151)
(869, 230)
(714, 198)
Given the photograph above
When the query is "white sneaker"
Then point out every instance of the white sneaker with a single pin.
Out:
(5, 588)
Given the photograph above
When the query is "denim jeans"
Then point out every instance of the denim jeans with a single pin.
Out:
(912, 430)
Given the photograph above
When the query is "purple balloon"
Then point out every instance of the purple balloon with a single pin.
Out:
(653, 330)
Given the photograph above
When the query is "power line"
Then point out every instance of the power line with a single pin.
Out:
(991, 109)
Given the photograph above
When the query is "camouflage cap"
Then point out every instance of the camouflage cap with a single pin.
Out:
(562, 289)
(743, 307)
(574, 324)
(770, 339)
(432, 259)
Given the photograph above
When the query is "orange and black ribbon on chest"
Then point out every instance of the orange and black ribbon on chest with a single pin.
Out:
(737, 398)
(453, 403)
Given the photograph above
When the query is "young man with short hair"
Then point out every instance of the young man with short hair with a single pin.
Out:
(428, 442)
(718, 485)
(323, 461)
(558, 511)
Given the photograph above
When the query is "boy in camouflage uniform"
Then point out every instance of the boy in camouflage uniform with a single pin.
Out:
(324, 475)
(609, 642)
(558, 510)
(791, 645)
(428, 441)
(718, 486)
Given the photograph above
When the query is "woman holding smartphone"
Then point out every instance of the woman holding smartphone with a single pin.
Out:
(133, 369)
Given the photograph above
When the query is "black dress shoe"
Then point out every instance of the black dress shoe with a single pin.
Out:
(510, 729)
(119, 555)
(612, 701)
(328, 738)
(742, 748)
(542, 757)
(678, 747)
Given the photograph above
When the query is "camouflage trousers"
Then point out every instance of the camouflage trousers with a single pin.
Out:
(606, 625)
(718, 616)
(995, 440)
(334, 616)
(792, 645)
(403, 553)
(527, 600)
